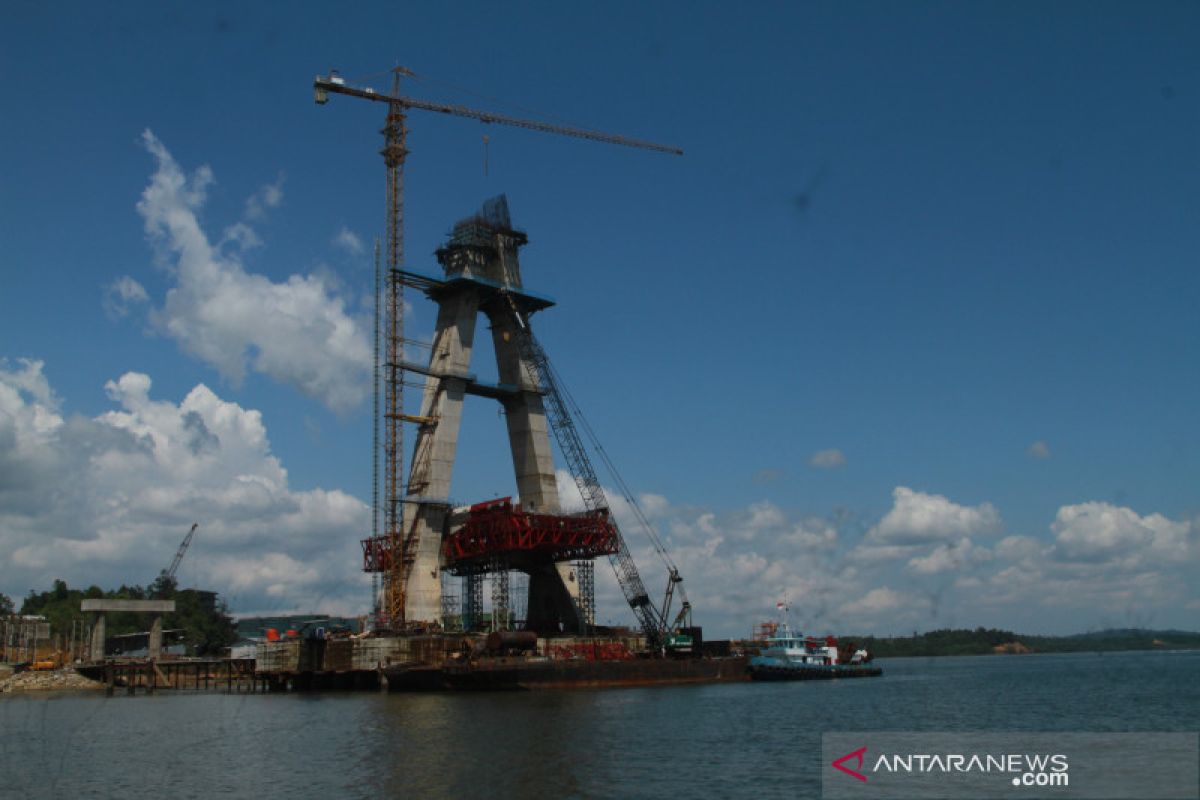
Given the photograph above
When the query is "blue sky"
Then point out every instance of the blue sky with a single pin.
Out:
(951, 247)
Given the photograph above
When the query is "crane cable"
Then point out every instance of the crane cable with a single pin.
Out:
(626, 493)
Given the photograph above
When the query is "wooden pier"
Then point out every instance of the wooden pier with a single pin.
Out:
(227, 675)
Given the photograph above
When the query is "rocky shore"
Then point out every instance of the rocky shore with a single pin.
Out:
(58, 680)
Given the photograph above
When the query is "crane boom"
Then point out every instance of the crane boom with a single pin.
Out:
(326, 85)
(579, 464)
(169, 572)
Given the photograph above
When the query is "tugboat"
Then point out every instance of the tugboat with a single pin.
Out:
(790, 656)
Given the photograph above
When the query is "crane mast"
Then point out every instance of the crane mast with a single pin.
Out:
(391, 548)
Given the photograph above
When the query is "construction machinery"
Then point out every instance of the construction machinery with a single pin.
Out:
(393, 551)
(168, 574)
(660, 630)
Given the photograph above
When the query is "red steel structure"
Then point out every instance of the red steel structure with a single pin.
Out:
(500, 528)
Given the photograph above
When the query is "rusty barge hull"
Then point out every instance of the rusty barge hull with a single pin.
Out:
(459, 662)
(527, 674)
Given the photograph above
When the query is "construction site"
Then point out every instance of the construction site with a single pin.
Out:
(494, 594)
(499, 593)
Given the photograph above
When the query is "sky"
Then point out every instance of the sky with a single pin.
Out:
(908, 335)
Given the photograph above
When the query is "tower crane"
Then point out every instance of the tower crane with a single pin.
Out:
(395, 132)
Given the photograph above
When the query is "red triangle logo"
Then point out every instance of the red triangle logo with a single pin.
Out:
(858, 756)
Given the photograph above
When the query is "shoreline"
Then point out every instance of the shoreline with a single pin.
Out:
(58, 680)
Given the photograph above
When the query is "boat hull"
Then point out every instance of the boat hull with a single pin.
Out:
(811, 672)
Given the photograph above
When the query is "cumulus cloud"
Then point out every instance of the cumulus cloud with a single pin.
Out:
(920, 565)
(736, 564)
(349, 241)
(883, 600)
(296, 331)
(1104, 532)
(920, 518)
(106, 500)
(950, 557)
(121, 295)
(1038, 450)
(827, 459)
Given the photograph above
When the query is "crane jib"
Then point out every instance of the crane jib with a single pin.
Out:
(490, 118)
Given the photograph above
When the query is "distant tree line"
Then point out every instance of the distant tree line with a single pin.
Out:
(203, 616)
(981, 641)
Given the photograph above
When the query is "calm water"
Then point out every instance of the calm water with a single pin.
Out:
(708, 741)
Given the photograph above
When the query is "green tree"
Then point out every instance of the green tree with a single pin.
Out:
(203, 617)
(6, 605)
(208, 628)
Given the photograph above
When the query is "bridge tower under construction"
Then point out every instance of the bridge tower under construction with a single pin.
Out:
(482, 275)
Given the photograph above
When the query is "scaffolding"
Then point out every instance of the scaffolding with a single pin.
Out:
(472, 611)
(585, 573)
(501, 600)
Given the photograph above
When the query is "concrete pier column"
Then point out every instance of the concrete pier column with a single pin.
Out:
(155, 648)
(98, 634)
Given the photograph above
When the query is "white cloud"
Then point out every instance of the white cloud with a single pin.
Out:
(1038, 450)
(349, 241)
(919, 518)
(107, 500)
(827, 459)
(241, 236)
(919, 566)
(882, 600)
(267, 197)
(950, 557)
(120, 295)
(30, 380)
(1103, 532)
(296, 331)
(1019, 548)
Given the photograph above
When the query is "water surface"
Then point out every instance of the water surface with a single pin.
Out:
(730, 740)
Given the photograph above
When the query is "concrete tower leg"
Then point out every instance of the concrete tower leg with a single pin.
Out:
(553, 591)
(481, 256)
(433, 454)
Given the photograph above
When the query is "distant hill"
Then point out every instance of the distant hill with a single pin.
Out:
(982, 641)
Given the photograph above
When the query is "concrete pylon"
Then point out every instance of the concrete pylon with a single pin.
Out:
(482, 275)
(99, 633)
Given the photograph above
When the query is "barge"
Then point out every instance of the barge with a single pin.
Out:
(500, 661)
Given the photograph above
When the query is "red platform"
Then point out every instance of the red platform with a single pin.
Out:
(501, 529)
